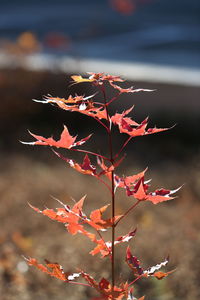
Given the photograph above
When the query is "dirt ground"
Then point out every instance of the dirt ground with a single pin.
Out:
(33, 175)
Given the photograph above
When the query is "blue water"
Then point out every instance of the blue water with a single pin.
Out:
(161, 32)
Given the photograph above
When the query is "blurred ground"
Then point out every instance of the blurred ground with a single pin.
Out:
(33, 174)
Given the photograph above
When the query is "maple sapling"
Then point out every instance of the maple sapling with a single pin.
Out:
(135, 186)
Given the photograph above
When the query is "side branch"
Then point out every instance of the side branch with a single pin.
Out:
(113, 99)
(123, 146)
(136, 279)
(102, 181)
(100, 122)
(127, 212)
(90, 152)
(79, 283)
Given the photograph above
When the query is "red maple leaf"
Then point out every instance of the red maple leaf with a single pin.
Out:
(105, 288)
(116, 119)
(74, 220)
(53, 269)
(160, 275)
(110, 78)
(86, 107)
(138, 271)
(80, 104)
(66, 140)
(127, 125)
(140, 192)
(154, 271)
(129, 181)
(128, 90)
(102, 247)
(133, 263)
(71, 101)
(106, 248)
(70, 217)
(85, 168)
(125, 238)
(122, 182)
(97, 222)
(96, 78)
(107, 170)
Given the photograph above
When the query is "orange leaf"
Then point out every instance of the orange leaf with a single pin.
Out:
(74, 219)
(117, 118)
(96, 220)
(96, 215)
(130, 180)
(85, 168)
(160, 275)
(86, 109)
(53, 269)
(129, 90)
(103, 248)
(127, 125)
(79, 79)
(106, 170)
(96, 78)
(106, 248)
(104, 287)
(79, 104)
(70, 217)
(140, 192)
(66, 140)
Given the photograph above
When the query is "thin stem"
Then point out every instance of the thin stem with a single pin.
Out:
(100, 122)
(98, 103)
(126, 213)
(79, 283)
(113, 99)
(102, 181)
(112, 190)
(113, 232)
(90, 152)
(123, 146)
(132, 282)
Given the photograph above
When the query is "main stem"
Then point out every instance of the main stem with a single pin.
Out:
(113, 232)
(112, 191)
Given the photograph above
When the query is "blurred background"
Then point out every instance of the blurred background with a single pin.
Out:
(153, 44)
